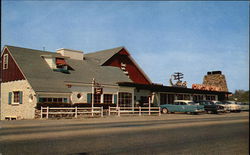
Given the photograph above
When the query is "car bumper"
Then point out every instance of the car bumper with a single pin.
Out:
(199, 110)
(221, 110)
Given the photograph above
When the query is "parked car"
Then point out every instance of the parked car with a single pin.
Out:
(211, 107)
(225, 106)
(186, 106)
(233, 107)
(229, 106)
(243, 106)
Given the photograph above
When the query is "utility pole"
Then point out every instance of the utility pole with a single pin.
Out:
(93, 92)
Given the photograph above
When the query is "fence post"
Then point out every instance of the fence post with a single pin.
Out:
(139, 111)
(41, 112)
(47, 115)
(159, 111)
(119, 111)
(101, 111)
(75, 112)
(149, 106)
(109, 110)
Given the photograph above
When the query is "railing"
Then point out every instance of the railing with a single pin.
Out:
(134, 110)
(74, 111)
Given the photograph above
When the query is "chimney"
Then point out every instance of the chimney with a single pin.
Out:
(72, 54)
(216, 78)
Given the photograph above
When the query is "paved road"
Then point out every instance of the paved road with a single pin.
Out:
(168, 134)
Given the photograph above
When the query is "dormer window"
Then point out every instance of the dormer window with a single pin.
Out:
(61, 63)
(5, 61)
(57, 64)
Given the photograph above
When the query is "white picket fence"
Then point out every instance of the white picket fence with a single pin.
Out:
(75, 111)
(134, 110)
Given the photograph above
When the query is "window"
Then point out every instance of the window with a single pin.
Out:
(144, 99)
(56, 100)
(107, 98)
(179, 96)
(79, 95)
(197, 97)
(5, 61)
(163, 98)
(125, 99)
(210, 97)
(186, 97)
(16, 96)
(97, 98)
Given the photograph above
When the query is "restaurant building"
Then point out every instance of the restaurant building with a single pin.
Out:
(29, 77)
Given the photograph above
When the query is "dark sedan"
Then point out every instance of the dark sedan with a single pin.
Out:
(210, 107)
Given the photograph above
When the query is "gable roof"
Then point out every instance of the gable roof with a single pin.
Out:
(104, 55)
(43, 79)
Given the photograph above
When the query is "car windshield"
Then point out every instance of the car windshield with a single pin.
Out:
(210, 103)
(229, 103)
(218, 102)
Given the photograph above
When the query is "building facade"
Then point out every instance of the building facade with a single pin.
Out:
(29, 77)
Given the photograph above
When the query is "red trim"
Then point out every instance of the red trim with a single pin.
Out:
(133, 71)
(12, 73)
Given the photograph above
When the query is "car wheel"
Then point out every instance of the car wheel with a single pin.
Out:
(164, 110)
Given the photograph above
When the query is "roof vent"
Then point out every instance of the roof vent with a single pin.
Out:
(72, 54)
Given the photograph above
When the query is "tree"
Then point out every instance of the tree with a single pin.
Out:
(240, 96)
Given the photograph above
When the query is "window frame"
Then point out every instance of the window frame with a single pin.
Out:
(5, 61)
(16, 99)
(108, 100)
(125, 99)
(52, 99)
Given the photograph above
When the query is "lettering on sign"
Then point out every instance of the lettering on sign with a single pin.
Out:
(206, 87)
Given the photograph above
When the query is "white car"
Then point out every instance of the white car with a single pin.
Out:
(229, 106)
(226, 106)
(243, 106)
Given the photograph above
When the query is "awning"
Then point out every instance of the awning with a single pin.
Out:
(60, 61)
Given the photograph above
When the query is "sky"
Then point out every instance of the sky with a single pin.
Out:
(192, 37)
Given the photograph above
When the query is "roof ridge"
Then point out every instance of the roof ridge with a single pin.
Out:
(106, 50)
(27, 48)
